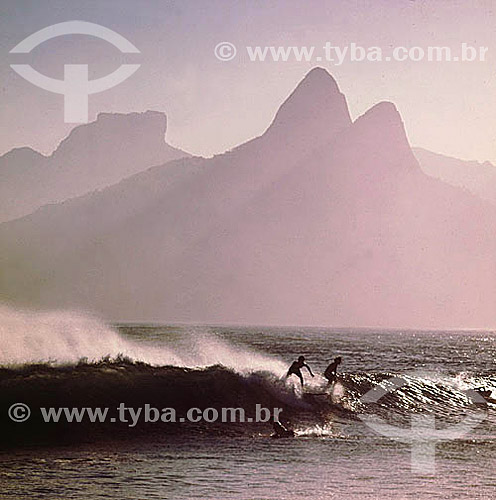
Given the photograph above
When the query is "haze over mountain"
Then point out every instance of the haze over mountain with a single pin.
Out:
(92, 156)
(320, 221)
(478, 178)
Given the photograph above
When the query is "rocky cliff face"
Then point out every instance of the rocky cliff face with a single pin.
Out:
(93, 156)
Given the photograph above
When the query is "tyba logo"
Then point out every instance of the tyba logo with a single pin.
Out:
(423, 433)
(76, 87)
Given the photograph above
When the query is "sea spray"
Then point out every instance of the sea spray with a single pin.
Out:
(58, 336)
(67, 337)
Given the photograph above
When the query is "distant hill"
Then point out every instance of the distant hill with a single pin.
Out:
(93, 156)
(478, 178)
(320, 221)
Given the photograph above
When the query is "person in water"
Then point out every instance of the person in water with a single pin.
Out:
(296, 366)
(331, 371)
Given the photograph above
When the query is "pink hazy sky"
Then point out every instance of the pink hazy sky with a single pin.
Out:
(212, 106)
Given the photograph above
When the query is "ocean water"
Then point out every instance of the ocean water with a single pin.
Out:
(335, 453)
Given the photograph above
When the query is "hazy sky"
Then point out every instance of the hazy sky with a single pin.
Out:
(212, 105)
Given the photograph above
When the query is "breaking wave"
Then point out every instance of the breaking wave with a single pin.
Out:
(74, 360)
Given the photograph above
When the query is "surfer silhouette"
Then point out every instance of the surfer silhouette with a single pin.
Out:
(296, 366)
(331, 371)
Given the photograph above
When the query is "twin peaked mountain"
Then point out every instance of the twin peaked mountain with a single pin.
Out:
(319, 221)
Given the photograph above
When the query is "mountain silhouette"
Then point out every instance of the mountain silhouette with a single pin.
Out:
(478, 178)
(92, 156)
(319, 221)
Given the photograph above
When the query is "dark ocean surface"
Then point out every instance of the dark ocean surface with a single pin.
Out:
(340, 449)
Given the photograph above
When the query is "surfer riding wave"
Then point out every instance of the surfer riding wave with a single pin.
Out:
(295, 369)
